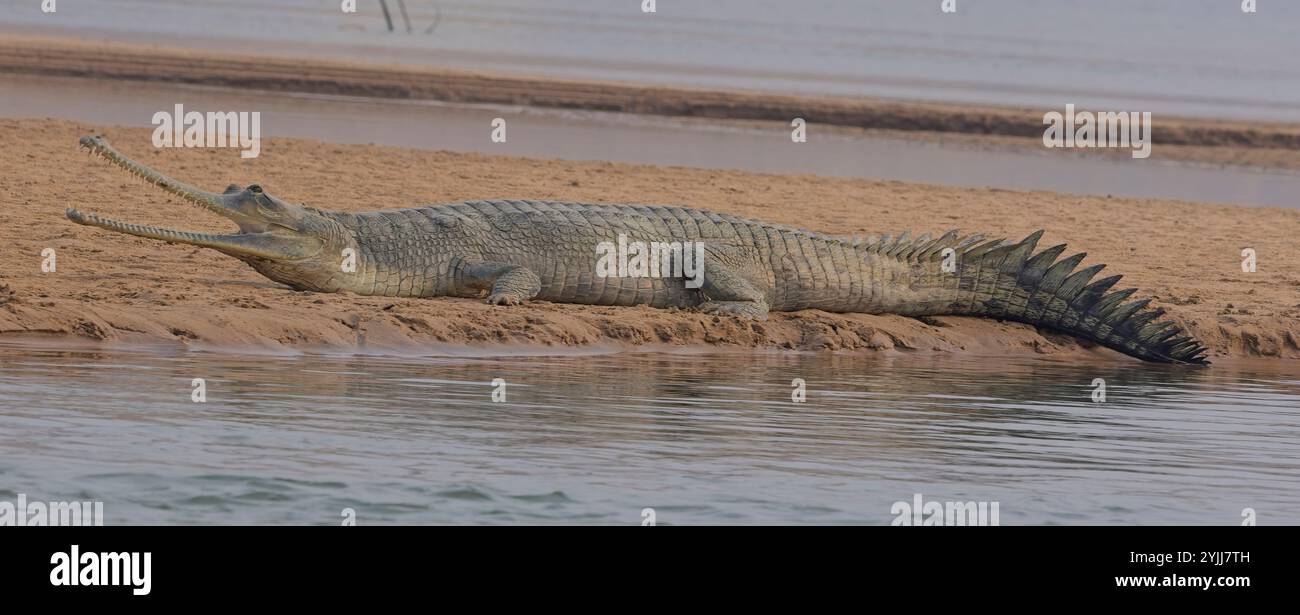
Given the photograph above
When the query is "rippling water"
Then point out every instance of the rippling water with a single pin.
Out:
(701, 438)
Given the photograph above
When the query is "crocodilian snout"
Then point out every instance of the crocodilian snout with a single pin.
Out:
(258, 236)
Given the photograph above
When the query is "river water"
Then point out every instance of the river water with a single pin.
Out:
(1180, 57)
(599, 437)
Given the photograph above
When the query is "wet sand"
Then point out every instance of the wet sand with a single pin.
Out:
(129, 290)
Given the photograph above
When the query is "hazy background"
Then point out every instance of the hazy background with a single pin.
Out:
(1187, 57)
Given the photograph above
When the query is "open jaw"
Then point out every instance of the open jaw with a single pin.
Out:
(265, 245)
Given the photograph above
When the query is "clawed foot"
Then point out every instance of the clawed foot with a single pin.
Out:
(504, 299)
(743, 309)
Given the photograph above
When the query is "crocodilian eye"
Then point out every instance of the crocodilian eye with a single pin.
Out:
(255, 188)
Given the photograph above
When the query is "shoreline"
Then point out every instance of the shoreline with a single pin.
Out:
(977, 358)
(113, 288)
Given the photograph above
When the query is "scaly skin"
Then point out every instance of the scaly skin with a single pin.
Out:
(515, 251)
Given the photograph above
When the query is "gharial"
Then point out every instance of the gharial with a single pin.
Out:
(515, 251)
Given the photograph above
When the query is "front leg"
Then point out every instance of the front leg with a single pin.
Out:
(506, 284)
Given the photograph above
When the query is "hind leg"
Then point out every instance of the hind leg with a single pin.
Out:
(726, 292)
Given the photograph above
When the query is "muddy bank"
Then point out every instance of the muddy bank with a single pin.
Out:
(124, 289)
(1258, 144)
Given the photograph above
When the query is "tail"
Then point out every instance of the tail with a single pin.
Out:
(1005, 280)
